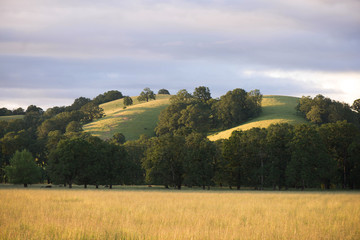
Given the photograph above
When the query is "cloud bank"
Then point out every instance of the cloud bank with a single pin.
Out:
(54, 51)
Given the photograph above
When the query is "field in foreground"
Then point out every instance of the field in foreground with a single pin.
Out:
(155, 214)
(275, 109)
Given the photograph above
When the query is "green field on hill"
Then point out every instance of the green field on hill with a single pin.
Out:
(140, 118)
(275, 109)
(7, 118)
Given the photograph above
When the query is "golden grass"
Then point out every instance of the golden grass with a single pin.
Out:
(125, 214)
(140, 118)
(275, 109)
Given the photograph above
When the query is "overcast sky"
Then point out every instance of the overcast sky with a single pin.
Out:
(52, 52)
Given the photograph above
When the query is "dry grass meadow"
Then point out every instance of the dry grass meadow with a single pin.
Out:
(171, 214)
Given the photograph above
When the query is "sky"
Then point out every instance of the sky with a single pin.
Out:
(52, 52)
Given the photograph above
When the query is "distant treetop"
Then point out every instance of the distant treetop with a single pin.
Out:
(163, 91)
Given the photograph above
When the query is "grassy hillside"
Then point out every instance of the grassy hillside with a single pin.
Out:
(275, 109)
(140, 118)
(6, 118)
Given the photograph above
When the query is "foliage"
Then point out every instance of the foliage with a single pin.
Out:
(146, 95)
(23, 169)
(128, 101)
(322, 110)
(107, 97)
(164, 161)
(163, 91)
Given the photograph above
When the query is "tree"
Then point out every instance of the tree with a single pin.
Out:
(164, 161)
(163, 91)
(128, 101)
(118, 138)
(202, 94)
(278, 141)
(200, 160)
(74, 126)
(78, 103)
(338, 138)
(146, 95)
(23, 169)
(70, 161)
(182, 96)
(310, 164)
(232, 109)
(356, 105)
(92, 112)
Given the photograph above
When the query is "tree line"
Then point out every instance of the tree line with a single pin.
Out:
(279, 157)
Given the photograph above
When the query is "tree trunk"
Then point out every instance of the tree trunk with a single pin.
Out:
(25, 185)
(70, 185)
(85, 185)
(203, 187)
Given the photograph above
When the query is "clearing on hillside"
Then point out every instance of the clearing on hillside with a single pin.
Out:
(11, 117)
(275, 109)
(133, 121)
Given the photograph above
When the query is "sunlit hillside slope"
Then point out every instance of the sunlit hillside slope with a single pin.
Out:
(275, 109)
(140, 118)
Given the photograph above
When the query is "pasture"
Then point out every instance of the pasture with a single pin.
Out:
(139, 213)
(133, 121)
(275, 109)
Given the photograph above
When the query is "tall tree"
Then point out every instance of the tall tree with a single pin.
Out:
(278, 140)
(308, 159)
(164, 161)
(200, 160)
(202, 94)
(23, 169)
(337, 138)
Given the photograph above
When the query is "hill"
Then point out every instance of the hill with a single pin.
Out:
(140, 118)
(275, 109)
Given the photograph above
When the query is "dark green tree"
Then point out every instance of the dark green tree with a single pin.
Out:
(232, 108)
(23, 169)
(128, 101)
(337, 138)
(164, 161)
(278, 140)
(202, 94)
(146, 95)
(92, 112)
(163, 91)
(182, 96)
(310, 164)
(118, 138)
(200, 159)
(71, 161)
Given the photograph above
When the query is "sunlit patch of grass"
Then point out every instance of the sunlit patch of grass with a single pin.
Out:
(6, 118)
(275, 109)
(140, 118)
(171, 214)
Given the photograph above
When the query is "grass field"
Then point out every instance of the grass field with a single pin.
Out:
(140, 118)
(170, 214)
(275, 109)
(6, 118)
